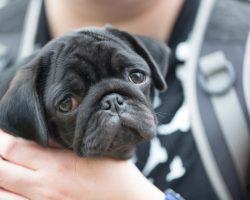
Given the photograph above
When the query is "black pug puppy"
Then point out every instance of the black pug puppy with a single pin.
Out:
(90, 90)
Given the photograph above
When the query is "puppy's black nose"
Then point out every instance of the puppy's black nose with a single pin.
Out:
(113, 103)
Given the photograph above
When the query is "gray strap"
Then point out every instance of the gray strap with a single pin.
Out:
(3, 3)
(30, 29)
(228, 110)
(189, 86)
(3, 52)
(10, 33)
(246, 74)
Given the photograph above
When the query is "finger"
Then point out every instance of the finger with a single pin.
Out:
(15, 178)
(5, 195)
(23, 152)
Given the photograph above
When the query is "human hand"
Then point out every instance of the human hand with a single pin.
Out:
(29, 171)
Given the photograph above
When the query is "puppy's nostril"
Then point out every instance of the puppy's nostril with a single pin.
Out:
(106, 105)
(120, 100)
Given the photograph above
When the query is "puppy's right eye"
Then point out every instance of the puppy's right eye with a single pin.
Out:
(68, 104)
(137, 77)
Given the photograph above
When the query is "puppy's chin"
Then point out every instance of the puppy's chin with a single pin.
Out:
(117, 135)
(122, 146)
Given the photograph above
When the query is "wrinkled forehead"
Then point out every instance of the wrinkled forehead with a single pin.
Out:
(94, 35)
(88, 44)
(89, 53)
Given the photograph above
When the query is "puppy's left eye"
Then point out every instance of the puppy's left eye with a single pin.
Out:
(68, 104)
(137, 77)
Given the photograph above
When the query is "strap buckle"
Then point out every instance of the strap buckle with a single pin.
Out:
(216, 74)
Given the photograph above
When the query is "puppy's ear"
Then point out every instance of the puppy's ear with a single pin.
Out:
(154, 52)
(21, 111)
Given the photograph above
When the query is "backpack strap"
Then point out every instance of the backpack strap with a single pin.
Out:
(17, 37)
(246, 73)
(27, 46)
(214, 92)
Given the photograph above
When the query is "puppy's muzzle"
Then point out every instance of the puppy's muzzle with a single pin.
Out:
(114, 116)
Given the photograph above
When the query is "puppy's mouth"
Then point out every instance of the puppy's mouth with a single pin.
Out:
(117, 134)
(125, 142)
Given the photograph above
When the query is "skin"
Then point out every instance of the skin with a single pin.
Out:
(28, 171)
(146, 17)
(82, 177)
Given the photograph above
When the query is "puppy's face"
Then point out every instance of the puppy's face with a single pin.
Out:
(94, 90)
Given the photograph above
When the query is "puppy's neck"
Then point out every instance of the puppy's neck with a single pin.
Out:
(150, 17)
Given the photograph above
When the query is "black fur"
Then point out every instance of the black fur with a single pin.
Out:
(91, 66)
